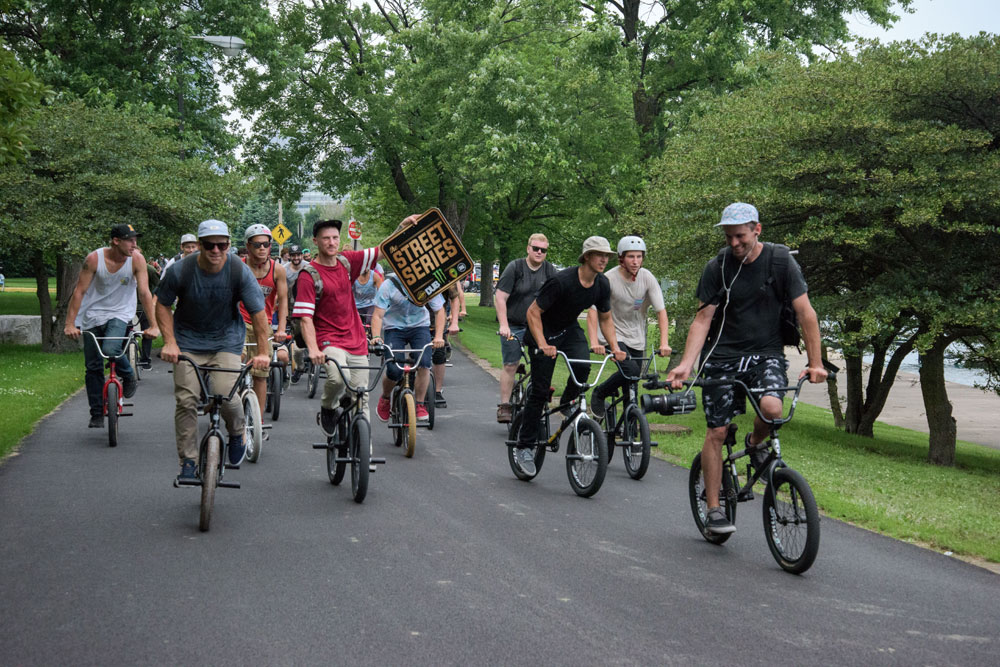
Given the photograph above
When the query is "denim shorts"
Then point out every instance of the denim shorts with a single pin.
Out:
(510, 350)
(397, 339)
(724, 402)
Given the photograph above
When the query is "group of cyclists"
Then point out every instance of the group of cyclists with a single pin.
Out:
(217, 310)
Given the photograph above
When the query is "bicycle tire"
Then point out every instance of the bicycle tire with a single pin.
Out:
(610, 418)
(409, 423)
(253, 434)
(586, 475)
(699, 506)
(430, 400)
(210, 461)
(361, 454)
(313, 381)
(512, 433)
(133, 359)
(636, 442)
(274, 397)
(335, 470)
(112, 406)
(789, 507)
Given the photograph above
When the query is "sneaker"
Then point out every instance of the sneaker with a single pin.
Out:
(296, 374)
(758, 454)
(328, 418)
(717, 523)
(237, 449)
(129, 385)
(189, 470)
(96, 421)
(599, 407)
(439, 401)
(422, 414)
(525, 457)
(383, 408)
(503, 413)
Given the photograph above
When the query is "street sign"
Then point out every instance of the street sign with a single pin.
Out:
(281, 234)
(354, 229)
(427, 257)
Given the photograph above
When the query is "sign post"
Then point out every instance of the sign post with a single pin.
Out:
(427, 257)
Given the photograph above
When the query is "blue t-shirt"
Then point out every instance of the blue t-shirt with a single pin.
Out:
(205, 320)
(400, 312)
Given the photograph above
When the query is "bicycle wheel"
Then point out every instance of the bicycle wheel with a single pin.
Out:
(429, 401)
(635, 442)
(791, 521)
(133, 359)
(699, 506)
(586, 458)
(210, 458)
(361, 454)
(112, 406)
(253, 436)
(611, 417)
(274, 397)
(409, 418)
(512, 433)
(335, 469)
(313, 380)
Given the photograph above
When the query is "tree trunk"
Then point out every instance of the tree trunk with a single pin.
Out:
(855, 393)
(41, 276)
(937, 406)
(54, 316)
(831, 388)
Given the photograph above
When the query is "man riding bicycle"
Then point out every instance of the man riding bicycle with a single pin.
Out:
(552, 326)
(207, 327)
(736, 290)
(633, 290)
(104, 303)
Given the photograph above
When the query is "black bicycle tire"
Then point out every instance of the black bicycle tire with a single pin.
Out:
(582, 488)
(774, 520)
(635, 426)
(610, 418)
(430, 399)
(409, 408)
(112, 406)
(313, 380)
(360, 448)
(699, 508)
(211, 460)
(252, 436)
(275, 381)
(133, 359)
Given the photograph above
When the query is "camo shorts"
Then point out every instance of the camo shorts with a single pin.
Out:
(722, 403)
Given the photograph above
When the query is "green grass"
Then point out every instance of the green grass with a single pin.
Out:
(883, 483)
(32, 384)
(28, 283)
(19, 303)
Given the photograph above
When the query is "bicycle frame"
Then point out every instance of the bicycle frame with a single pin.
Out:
(112, 362)
(404, 382)
(629, 395)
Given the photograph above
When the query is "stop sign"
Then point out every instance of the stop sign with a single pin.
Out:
(354, 229)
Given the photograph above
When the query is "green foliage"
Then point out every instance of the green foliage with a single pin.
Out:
(20, 94)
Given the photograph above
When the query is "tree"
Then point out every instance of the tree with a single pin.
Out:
(881, 169)
(92, 168)
(20, 94)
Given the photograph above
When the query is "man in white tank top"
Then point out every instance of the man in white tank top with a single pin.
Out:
(104, 303)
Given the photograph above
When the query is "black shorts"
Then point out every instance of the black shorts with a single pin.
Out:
(724, 402)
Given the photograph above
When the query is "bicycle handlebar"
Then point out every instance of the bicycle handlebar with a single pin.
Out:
(201, 370)
(372, 349)
(97, 343)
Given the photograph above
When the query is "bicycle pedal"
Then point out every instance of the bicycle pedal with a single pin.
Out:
(264, 427)
(230, 466)
(178, 483)
(128, 404)
(229, 485)
(654, 443)
(321, 445)
(377, 461)
(125, 414)
(744, 496)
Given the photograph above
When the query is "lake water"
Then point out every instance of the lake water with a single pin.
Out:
(952, 373)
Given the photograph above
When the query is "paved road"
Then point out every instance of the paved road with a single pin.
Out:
(450, 560)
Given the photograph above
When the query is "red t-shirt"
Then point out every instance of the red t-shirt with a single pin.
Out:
(336, 316)
(270, 294)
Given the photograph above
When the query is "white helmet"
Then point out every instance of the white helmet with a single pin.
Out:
(628, 243)
(256, 230)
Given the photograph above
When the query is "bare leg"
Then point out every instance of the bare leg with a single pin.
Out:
(507, 382)
(711, 463)
(421, 383)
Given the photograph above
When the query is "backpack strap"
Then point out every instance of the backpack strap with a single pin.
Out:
(186, 275)
(777, 270)
(235, 284)
(317, 281)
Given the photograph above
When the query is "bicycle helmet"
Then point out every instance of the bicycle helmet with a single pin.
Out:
(628, 243)
(256, 230)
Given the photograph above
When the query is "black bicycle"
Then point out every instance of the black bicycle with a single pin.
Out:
(631, 431)
(790, 515)
(586, 450)
(352, 441)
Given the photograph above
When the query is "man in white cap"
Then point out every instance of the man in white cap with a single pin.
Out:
(207, 327)
(552, 325)
(189, 243)
(743, 288)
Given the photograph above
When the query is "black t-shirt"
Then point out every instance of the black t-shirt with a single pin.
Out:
(562, 298)
(752, 316)
(521, 283)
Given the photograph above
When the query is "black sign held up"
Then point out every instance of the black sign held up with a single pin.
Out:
(427, 257)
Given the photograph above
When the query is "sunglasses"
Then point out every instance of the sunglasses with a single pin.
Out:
(209, 245)
(260, 244)
(541, 250)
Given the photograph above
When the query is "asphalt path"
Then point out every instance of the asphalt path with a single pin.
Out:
(450, 560)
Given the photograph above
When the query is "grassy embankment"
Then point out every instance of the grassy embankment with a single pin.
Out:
(882, 483)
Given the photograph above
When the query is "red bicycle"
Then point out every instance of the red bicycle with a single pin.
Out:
(112, 393)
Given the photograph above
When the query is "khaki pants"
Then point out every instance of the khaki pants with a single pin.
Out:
(187, 392)
(334, 387)
(251, 351)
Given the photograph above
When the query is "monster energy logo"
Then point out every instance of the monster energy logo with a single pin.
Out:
(439, 275)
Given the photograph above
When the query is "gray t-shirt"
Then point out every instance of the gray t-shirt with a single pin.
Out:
(522, 284)
(630, 302)
(205, 319)
(752, 317)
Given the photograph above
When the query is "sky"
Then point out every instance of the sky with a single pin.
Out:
(966, 17)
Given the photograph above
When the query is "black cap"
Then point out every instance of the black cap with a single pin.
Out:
(322, 224)
(294, 250)
(123, 231)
